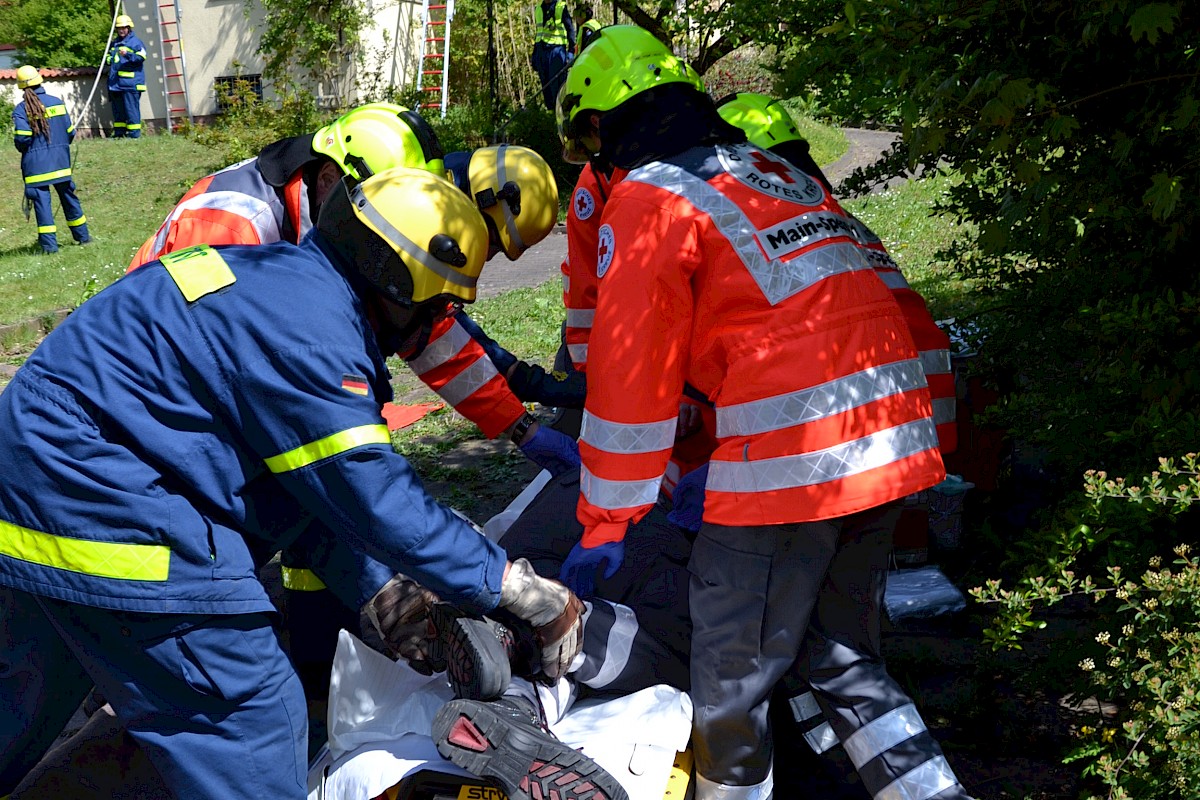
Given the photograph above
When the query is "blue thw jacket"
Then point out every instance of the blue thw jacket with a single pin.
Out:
(184, 424)
(44, 161)
(125, 59)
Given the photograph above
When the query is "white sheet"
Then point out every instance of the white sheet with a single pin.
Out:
(380, 713)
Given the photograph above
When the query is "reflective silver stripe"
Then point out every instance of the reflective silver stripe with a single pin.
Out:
(821, 401)
(567, 278)
(808, 469)
(884, 733)
(467, 382)
(510, 222)
(711, 790)
(893, 279)
(617, 494)
(618, 646)
(944, 410)
(804, 707)
(861, 230)
(935, 362)
(777, 280)
(920, 783)
(621, 437)
(265, 217)
(580, 317)
(578, 353)
(821, 738)
(399, 241)
(441, 350)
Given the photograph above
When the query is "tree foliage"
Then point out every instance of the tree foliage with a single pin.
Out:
(314, 41)
(57, 33)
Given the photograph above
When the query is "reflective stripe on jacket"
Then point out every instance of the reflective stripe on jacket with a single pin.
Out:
(932, 342)
(126, 65)
(44, 161)
(579, 267)
(734, 271)
(180, 427)
(551, 30)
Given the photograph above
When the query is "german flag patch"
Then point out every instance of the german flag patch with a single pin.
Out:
(355, 384)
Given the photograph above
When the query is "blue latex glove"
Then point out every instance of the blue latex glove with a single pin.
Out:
(552, 450)
(579, 570)
(688, 508)
(499, 356)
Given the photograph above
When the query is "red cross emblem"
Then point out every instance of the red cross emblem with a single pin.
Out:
(603, 251)
(765, 164)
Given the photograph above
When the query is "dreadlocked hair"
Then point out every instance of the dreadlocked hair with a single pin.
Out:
(36, 112)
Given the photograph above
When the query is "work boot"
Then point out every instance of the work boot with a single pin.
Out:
(504, 741)
(476, 652)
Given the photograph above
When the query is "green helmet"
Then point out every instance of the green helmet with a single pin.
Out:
(620, 62)
(379, 136)
(764, 119)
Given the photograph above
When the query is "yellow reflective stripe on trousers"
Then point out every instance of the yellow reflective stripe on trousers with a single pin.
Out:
(49, 176)
(328, 447)
(198, 271)
(301, 580)
(128, 562)
(74, 223)
(47, 229)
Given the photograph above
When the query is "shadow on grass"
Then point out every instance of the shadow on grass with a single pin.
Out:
(32, 249)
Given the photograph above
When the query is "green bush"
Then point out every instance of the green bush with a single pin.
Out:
(6, 123)
(1138, 661)
(248, 124)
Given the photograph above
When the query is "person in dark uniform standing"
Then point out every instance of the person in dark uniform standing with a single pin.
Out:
(126, 80)
(553, 44)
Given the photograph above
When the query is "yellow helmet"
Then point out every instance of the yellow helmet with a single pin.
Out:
(515, 189)
(124, 21)
(764, 119)
(28, 76)
(378, 136)
(407, 234)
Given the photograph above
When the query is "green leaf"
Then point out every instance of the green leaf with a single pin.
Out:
(1151, 19)
(1163, 195)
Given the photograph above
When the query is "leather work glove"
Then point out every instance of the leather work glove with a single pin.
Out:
(399, 613)
(499, 356)
(552, 450)
(688, 510)
(551, 609)
(579, 570)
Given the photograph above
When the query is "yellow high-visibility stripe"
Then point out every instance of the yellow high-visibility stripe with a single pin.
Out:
(329, 446)
(141, 87)
(123, 74)
(127, 562)
(49, 176)
(19, 132)
(56, 111)
(77, 222)
(47, 229)
(198, 271)
(301, 580)
(136, 127)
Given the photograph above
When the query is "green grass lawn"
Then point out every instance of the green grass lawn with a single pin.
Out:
(126, 186)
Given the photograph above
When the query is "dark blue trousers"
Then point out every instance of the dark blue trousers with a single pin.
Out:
(47, 230)
(212, 700)
(550, 64)
(127, 114)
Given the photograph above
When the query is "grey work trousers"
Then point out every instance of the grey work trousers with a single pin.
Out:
(806, 595)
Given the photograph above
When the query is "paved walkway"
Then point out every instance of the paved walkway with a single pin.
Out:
(542, 262)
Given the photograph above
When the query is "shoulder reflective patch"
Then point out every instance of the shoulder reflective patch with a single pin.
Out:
(355, 384)
(583, 204)
(604, 250)
(767, 173)
(328, 447)
(198, 271)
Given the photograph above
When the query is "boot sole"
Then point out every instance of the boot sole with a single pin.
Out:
(476, 662)
(525, 763)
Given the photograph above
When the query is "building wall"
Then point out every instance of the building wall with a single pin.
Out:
(73, 89)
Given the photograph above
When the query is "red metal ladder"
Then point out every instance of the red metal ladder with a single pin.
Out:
(434, 64)
(175, 86)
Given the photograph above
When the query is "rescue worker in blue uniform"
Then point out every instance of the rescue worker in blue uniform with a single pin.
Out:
(42, 132)
(183, 425)
(553, 45)
(126, 79)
